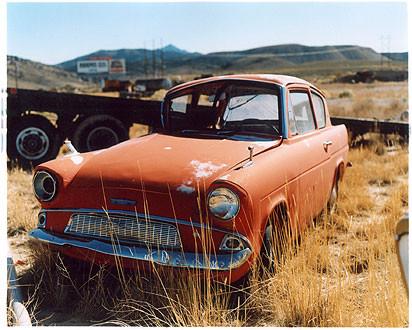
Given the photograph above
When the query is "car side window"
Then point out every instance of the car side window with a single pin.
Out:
(180, 104)
(319, 110)
(302, 112)
(292, 122)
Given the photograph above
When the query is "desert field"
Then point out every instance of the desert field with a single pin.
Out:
(380, 100)
(344, 271)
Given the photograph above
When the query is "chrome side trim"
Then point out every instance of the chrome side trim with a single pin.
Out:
(158, 256)
(153, 217)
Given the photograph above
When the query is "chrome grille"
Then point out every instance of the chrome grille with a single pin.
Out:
(130, 229)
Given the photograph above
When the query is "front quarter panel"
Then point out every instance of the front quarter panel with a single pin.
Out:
(267, 182)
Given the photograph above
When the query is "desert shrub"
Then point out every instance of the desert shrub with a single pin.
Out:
(345, 94)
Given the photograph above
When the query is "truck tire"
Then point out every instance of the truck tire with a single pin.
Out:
(99, 132)
(32, 140)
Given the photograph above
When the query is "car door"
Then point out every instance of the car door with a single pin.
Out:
(329, 141)
(307, 142)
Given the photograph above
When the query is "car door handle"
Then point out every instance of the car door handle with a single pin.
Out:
(326, 144)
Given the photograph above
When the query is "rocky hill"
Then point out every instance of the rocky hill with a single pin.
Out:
(178, 61)
(294, 59)
(35, 75)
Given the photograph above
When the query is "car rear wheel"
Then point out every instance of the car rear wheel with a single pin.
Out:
(99, 132)
(32, 140)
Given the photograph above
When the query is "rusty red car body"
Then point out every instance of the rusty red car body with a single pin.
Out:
(198, 193)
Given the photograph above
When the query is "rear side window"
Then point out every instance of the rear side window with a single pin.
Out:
(302, 112)
(319, 110)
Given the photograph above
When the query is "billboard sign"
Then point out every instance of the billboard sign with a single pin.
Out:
(93, 66)
(118, 66)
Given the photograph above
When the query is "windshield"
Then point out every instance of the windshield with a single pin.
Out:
(227, 109)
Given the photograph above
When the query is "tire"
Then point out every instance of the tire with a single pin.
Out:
(333, 197)
(32, 140)
(99, 132)
(276, 238)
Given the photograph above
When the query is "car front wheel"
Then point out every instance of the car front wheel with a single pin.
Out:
(333, 197)
(276, 240)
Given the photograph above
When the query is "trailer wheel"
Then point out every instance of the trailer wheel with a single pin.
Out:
(99, 132)
(32, 140)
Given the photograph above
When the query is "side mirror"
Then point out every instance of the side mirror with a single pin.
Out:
(402, 244)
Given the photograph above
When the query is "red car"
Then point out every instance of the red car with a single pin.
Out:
(236, 156)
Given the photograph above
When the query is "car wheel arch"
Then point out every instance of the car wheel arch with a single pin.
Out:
(277, 231)
(280, 207)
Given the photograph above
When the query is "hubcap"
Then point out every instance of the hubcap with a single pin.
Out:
(32, 143)
(333, 199)
(100, 138)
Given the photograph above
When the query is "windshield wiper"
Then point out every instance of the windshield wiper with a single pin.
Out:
(243, 103)
(242, 131)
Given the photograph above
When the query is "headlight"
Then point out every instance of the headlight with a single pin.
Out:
(223, 203)
(44, 186)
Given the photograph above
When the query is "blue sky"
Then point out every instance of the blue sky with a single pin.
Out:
(55, 32)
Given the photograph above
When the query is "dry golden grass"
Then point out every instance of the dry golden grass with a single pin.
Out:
(380, 100)
(344, 272)
(22, 206)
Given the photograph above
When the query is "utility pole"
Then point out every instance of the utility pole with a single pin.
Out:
(154, 58)
(16, 71)
(162, 66)
(385, 48)
(145, 60)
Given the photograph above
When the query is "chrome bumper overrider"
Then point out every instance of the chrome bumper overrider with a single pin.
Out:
(158, 256)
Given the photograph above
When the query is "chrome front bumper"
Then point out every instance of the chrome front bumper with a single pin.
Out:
(158, 256)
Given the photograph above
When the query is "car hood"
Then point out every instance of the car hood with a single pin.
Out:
(162, 162)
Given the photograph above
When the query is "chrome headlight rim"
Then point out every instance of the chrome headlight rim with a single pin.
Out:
(242, 243)
(39, 180)
(233, 194)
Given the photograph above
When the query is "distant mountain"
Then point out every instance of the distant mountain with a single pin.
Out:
(271, 57)
(287, 59)
(35, 75)
(397, 56)
(178, 61)
(173, 49)
(170, 53)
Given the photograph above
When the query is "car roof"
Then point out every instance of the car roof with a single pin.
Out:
(278, 79)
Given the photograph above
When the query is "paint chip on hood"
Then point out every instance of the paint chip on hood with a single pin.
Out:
(185, 189)
(204, 170)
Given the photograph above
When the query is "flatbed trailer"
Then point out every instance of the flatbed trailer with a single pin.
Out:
(360, 126)
(90, 122)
